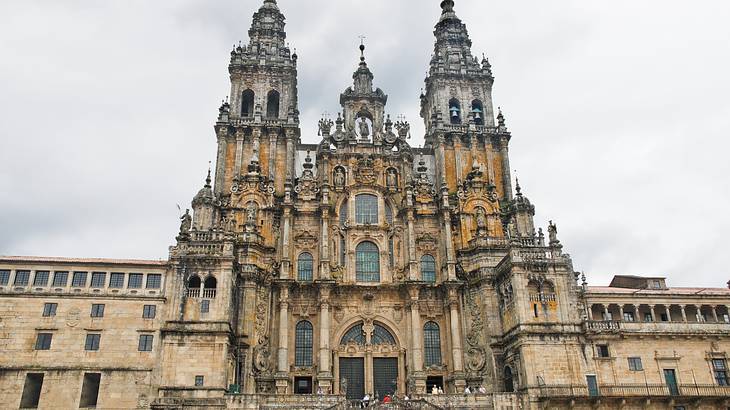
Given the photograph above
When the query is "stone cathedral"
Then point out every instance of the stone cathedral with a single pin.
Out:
(311, 275)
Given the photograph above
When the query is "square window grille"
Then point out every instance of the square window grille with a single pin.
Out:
(22, 277)
(135, 281)
(60, 279)
(154, 281)
(98, 279)
(79, 280)
(41, 278)
(116, 280)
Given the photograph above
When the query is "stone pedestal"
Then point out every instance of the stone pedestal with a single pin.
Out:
(282, 384)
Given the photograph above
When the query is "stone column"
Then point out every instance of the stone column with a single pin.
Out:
(448, 239)
(636, 313)
(239, 152)
(273, 136)
(669, 312)
(506, 175)
(220, 164)
(605, 312)
(621, 312)
(324, 256)
(412, 263)
(653, 315)
(286, 239)
(699, 313)
(324, 377)
(416, 370)
(456, 349)
(714, 313)
(684, 313)
(282, 382)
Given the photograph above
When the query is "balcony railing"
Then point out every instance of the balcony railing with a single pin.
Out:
(197, 292)
(602, 325)
(635, 390)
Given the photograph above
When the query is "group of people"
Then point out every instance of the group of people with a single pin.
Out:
(367, 400)
(475, 390)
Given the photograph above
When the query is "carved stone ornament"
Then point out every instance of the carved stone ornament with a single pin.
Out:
(476, 185)
(307, 186)
(73, 318)
(262, 351)
(476, 352)
(241, 186)
(306, 240)
(365, 172)
(426, 243)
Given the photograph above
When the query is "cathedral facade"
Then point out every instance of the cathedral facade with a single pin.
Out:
(308, 275)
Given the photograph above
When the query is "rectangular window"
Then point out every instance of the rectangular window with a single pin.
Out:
(145, 343)
(149, 311)
(4, 277)
(79, 280)
(97, 310)
(154, 281)
(31, 391)
(43, 341)
(116, 280)
(719, 366)
(135, 281)
(648, 318)
(366, 209)
(602, 351)
(90, 390)
(41, 278)
(60, 279)
(607, 316)
(628, 316)
(22, 277)
(199, 381)
(98, 280)
(205, 306)
(92, 342)
(49, 309)
(635, 364)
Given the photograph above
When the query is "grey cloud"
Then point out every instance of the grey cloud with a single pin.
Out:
(618, 111)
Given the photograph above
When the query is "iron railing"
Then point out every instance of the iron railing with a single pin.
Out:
(635, 390)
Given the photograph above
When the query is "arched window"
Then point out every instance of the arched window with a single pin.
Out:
(247, 98)
(477, 111)
(366, 209)
(210, 283)
(272, 104)
(509, 383)
(355, 334)
(367, 262)
(303, 341)
(194, 282)
(455, 111)
(432, 344)
(428, 268)
(381, 336)
(304, 267)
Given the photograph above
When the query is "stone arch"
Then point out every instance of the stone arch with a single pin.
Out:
(247, 103)
(386, 323)
(194, 282)
(272, 104)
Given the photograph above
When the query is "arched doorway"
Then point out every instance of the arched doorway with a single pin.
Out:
(368, 361)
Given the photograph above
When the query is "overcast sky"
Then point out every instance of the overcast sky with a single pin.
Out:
(619, 112)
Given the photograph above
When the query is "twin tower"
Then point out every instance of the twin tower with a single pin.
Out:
(360, 264)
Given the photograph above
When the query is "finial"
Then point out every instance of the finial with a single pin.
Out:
(500, 117)
(207, 179)
(447, 6)
(518, 188)
(362, 48)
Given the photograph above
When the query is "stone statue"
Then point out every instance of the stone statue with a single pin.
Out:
(481, 222)
(364, 128)
(186, 222)
(339, 178)
(553, 233)
(251, 214)
(343, 386)
(391, 178)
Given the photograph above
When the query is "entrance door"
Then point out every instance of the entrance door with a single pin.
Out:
(302, 385)
(385, 376)
(671, 380)
(592, 386)
(352, 372)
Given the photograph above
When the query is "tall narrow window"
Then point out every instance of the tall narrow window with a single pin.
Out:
(509, 382)
(205, 306)
(343, 251)
(4, 277)
(272, 104)
(247, 98)
(391, 252)
(98, 280)
(90, 390)
(79, 280)
(367, 262)
(343, 213)
(719, 367)
(428, 268)
(303, 344)
(455, 111)
(49, 309)
(389, 214)
(31, 391)
(149, 311)
(97, 310)
(22, 277)
(41, 278)
(432, 344)
(366, 209)
(305, 268)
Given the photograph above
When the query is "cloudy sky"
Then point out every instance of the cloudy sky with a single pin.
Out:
(619, 112)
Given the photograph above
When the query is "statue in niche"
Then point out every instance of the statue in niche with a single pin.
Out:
(481, 222)
(186, 222)
(363, 127)
(251, 214)
(391, 178)
(339, 177)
